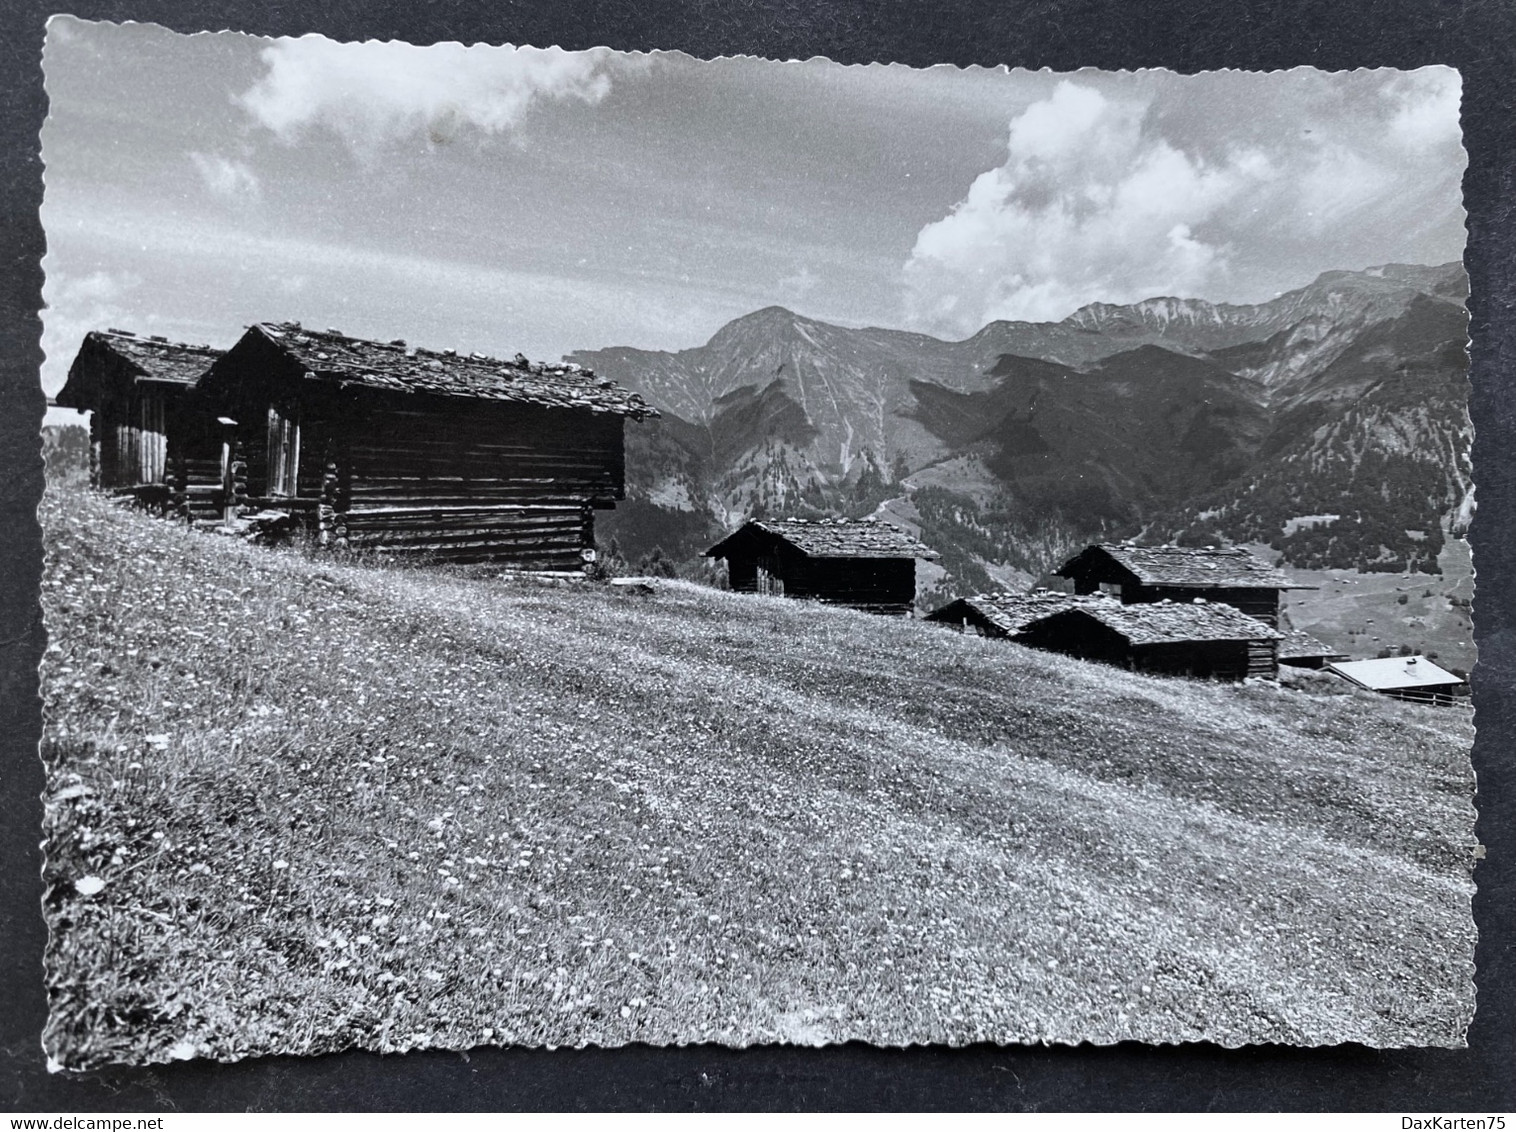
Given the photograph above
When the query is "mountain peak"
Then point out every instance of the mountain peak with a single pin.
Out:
(764, 330)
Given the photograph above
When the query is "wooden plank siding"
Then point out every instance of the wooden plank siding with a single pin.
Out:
(874, 585)
(134, 389)
(512, 482)
(412, 475)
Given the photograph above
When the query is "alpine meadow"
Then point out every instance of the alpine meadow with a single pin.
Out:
(581, 548)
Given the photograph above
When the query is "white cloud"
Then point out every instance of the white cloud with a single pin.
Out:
(1101, 199)
(1425, 107)
(373, 94)
(226, 177)
(73, 305)
(1086, 206)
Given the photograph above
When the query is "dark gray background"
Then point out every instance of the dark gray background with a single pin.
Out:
(1478, 37)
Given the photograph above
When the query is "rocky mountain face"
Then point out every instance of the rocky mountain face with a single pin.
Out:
(1330, 421)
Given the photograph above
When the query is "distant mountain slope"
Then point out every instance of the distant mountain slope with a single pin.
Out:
(1175, 415)
(1376, 444)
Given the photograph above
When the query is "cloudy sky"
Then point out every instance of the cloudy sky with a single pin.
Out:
(503, 200)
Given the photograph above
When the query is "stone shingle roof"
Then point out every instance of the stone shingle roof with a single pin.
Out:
(1150, 623)
(1008, 612)
(834, 538)
(1172, 622)
(1194, 566)
(332, 356)
(148, 359)
(1297, 645)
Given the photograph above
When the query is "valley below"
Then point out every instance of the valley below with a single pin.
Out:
(1329, 425)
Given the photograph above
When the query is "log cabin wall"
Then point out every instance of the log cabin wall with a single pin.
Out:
(468, 481)
(449, 478)
(874, 585)
(1263, 659)
(1213, 660)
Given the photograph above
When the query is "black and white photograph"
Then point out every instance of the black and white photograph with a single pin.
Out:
(578, 548)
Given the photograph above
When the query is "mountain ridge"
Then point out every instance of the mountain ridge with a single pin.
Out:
(1156, 416)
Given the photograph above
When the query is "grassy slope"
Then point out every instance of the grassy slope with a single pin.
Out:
(335, 804)
(1362, 614)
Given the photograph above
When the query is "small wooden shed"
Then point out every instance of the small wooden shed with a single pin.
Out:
(1002, 614)
(1141, 574)
(1404, 678)
(863, 563)
(1301, 650)
(458, 457)
(1195, 638)
(143, 431)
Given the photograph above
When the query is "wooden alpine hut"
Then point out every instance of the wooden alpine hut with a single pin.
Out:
(1142, 574)
(143, 429)
(458, 457)
(1198, 638)
(1301, 650)
(863, 563)
(1195, 638)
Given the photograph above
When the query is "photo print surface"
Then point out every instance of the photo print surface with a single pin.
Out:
(556, 548)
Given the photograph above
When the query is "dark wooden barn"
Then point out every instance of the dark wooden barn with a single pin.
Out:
(462, 458)
(1301, 650)
(145, 435)
(1140, 574)
(863, 563)
(1195, 638)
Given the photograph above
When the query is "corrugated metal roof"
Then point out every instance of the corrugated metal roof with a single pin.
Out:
(333, 356)
(835, 538)
(1193, 566)
(151, 359)
(1392, 672)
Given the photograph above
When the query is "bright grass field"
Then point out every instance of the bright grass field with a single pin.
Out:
(300, 805)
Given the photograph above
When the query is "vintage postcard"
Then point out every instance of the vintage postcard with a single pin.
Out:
(556, 548)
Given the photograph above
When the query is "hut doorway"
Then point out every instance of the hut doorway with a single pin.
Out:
(228, 486)
(767, 581)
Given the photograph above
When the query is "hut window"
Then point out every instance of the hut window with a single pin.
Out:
(283, 452)
(1112, 588)
(150, 439)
